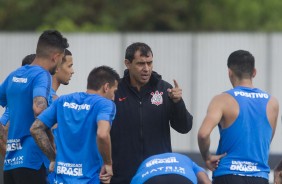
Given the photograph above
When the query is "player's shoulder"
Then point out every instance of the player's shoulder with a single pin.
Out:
(222, 97)
(274, 101)
(106, 101)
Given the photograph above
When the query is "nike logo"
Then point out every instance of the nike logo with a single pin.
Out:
(122, 99)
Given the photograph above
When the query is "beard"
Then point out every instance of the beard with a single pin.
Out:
(53, 70)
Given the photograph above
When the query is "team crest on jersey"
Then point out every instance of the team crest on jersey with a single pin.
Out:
(157, 98)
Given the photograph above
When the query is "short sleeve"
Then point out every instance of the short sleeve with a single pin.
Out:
(49, 115)
(197, 168)
(42, 85)
(3, 96)
(107, 111)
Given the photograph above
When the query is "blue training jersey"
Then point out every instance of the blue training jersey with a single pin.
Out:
(17, 92)
(78, 159)
(52, 94)
(247, 140)
(5, 117)
(167, 163)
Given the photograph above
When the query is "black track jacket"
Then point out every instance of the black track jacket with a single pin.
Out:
(142, 125)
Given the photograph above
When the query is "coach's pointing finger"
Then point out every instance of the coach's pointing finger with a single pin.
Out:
(175, 93)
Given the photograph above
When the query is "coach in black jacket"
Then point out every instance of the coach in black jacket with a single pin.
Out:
(146, 108)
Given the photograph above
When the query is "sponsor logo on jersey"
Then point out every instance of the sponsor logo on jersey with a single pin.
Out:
(157, 98)
(13, 145)
(251, 95)
(161, 161)
(168, 169)
(76, 106)
(244, 166)
(14, 161)
(19, 80)
(69, 169)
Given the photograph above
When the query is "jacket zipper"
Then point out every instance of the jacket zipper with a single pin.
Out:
(141, 129)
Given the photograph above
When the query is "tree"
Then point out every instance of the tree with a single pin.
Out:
(140, 15)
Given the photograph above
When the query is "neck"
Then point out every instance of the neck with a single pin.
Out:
(43, 62)
(135, 84)
(91, 91)
(243, 82)
(55, 83)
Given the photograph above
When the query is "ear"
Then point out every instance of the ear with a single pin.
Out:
(106, 87)
(127, 63)
(230, 72)
(56, 57)
(254, 73)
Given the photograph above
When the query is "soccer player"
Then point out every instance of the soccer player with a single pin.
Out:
(247, 118)
(26, 91)
(63, 74)
(83, 118)
(170, 168)
(4, 120)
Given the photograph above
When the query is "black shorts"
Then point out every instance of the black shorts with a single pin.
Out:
(235, 179)
(168, 179)
(25, 175)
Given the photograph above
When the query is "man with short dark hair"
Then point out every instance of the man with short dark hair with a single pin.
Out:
(27, 60)
(246, 117)
(26, 91)
(63, 74)
(4, 120)
(83, 144)
(147, 107)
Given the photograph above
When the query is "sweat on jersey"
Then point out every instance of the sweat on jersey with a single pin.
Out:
(247, 140)
(17, 92)
(167, 163)
(78, 159)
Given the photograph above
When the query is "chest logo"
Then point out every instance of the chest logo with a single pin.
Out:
(157, 98)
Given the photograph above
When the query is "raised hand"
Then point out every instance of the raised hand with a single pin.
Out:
(175, 93)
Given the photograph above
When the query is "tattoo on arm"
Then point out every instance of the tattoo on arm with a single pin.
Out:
(39, 104)
(3, 140)
(38, 132)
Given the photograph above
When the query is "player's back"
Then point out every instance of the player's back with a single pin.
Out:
(77, 152)
(22, 87)
(246, 141)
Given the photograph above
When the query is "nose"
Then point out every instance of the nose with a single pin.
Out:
(146, 67)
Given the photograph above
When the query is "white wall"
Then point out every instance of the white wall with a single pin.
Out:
(196, 60)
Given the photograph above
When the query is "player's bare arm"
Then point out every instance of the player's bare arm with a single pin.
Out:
(203, 178)
(104, 141)
(278, 173)
(272, 110)
(39, 104)
(38, 132)
(104, 146)
(213, 117)
(3, 140)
